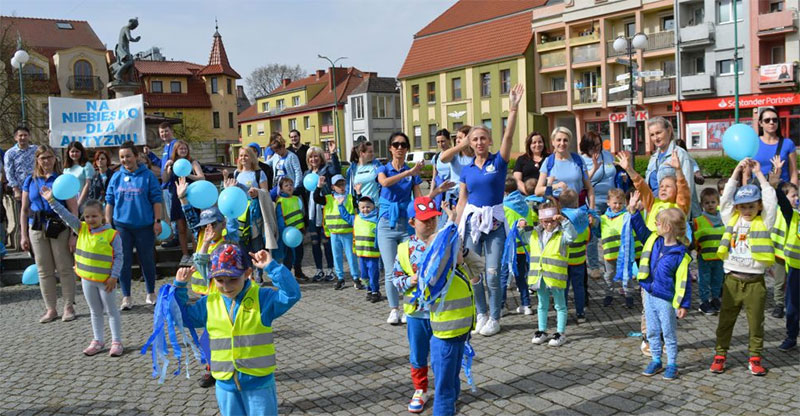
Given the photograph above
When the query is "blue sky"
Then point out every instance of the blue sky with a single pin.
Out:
(374, 34)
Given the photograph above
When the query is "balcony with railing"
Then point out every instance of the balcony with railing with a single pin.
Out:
(553, 59)
(659, 87)
(611, 52)
(551, 45)
(696, 84)
(660, 40)
(84, 84)
(585, 53)
(623, 95)
(777, 22)
(587, 95)
(576, 40)
(554, 98)
(697, 35)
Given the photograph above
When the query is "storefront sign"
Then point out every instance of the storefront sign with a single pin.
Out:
(623, 117)
(776, 73)
(745, 101)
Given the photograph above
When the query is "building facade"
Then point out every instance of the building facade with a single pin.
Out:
(372, 113)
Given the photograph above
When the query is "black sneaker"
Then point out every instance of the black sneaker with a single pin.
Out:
(319, 276)
(207, 380)
(581, 319)
(299, 275)
(607, 301)
(706, 308)
(376, 297)
(716, 304)
(629, 302)
(358, 285)
(339, 285)
(369, 296)
(777, 313)
(171, 243)
(788, 344)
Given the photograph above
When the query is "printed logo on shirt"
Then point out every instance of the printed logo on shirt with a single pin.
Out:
(247, 304)
(490, 169)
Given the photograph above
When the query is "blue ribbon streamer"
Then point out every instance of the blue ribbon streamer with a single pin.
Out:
(626, 262)
(510, 249)
(466, 364)
(437, 263)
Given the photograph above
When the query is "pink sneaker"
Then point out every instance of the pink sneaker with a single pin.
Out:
(94, 347)
(116, 349)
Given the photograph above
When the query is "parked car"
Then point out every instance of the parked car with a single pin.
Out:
(416, 157)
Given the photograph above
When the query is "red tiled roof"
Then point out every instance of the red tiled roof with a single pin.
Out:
(467, 12)
(487, 41)
(249, 112)
(167, 68)
(43, 33)
(218, 60)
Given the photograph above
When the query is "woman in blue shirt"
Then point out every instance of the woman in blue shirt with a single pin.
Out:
(662, 135)
(564, 169)
(482, 223)
(365, 176)
(769, 129)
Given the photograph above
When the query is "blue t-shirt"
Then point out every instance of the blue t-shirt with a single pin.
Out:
(603, 179)
(485, 185)
(401, 191)
(767, 152)
(653, 179)
(32, 186)
(566, 171)
(367, 176)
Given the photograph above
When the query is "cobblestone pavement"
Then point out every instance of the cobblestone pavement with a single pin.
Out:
(336, 355)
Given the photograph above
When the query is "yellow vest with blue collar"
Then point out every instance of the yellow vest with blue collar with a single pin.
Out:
(611, 238)
(786, 239)
(332, 221)
(364, 235)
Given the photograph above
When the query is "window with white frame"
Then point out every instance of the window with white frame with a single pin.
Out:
(295, 101)
(280, 104)
(725, 66)
(505, 81)
(292, 124)
(306, 122)
(381, 106)
(725, 10)
(265, 106)
(260, 129)
(357, 106)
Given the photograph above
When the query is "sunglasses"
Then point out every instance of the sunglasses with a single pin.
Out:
(769, 120)
(400, 145)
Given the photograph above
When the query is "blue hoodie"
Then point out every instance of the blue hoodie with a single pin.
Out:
(132, 194)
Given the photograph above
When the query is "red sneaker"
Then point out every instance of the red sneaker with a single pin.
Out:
(755, 367)
(718, 366)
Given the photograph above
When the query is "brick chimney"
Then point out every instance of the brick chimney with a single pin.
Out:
(286, 81)
(320, 74)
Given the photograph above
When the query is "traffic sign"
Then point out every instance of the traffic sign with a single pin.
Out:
(621, 88)
(655, 73)
(622, 77)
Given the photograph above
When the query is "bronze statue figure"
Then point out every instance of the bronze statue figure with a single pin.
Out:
(123, 66)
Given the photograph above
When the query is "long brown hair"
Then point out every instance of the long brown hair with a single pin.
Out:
(174, 156)
(68, 162)
(101, 152)
(38, 172)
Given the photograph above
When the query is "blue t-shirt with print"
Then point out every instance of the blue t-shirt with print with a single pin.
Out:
(566, 171)
(401, 191)
(767, 151)
(485, 185)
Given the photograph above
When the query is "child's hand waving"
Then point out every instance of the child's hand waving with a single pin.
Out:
(261, 259)
(632, 204)
(184, 274)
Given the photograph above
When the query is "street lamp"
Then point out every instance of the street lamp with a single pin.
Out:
(19, 60)
(335, 97)
(624, 45)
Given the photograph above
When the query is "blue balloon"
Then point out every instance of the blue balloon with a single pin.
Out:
(740, 141)
(202, 194)
(31, 275)
(166, 231)
(66, 186)
(311, 181)
(182, 168)
(292, 237)
(232, 202)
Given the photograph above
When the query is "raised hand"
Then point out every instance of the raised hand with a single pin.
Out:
(623, 160)
(261, 259)
(634, 202)
(229, 182)
(208, 234)
(180, 187)
(184, 274)
(777, 164)
(332, 146)
(515, 96)
(417, 168)
(46, 193)
(674, 162)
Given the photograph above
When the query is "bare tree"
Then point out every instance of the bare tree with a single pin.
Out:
(266, 78)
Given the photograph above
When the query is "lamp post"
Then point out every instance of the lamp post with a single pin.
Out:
(623, 44)
(335, 97)
(18, 61)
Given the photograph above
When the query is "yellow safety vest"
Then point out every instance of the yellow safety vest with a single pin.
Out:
(364, 238)
(657, 207)
(453, 314)
(246, 344)
(758, 237)
(290, 209)
(332, 221)
(786, 240)
(94, 254)
(707, 238)
(550, 263)
(611, 238)
(511, 217)
(681, 275)
(200, 285)
(576, 250)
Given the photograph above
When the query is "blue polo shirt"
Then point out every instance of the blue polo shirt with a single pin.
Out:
(401, 192)
(32, 186)
(485, 185)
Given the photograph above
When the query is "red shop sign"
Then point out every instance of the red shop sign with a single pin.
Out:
(623, 117)
(745, 101)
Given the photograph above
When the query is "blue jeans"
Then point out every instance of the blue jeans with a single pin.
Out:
(661, 321)
(792, 301)
(559, 302)
(521, 279)
(592, 253)
(167, 195)
(388, 239)
(318, 243)
(368, 266)
(446, 365)
(144, 240)
(419, 341)
(262, 401)
(576, 274)
(709, 281)
(490, 246)
(342, 245)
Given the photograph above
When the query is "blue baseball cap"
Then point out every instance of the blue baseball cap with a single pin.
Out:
(209, 216)
(746, 194)
(226, 261)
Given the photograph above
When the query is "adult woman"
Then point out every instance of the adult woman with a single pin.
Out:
(441, 170)
(99, 182)
(77, 164)
(458, 156)
(284, 162)
(315, 160)
(133, 204)
(769, 128)
(528, 165)
(251, 178)
(44, 232)
(602, 181)
(564, 169)
(180, 150)
(663, 138)
(365, 176)
(481, 222)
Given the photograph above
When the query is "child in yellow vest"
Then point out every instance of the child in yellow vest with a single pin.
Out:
(339, 231)
(747, 252)
(98, 262)
(289, 213)
(548, 269)
(239, 313)
(788, 224)
(576, 257)
(365, 244)
(707, 232)
(611, 223)
(517, 209)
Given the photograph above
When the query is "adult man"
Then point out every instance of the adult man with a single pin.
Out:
(19, 162)
(299, 149)
(165, 133)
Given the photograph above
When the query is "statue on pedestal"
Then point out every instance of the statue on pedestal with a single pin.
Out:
(122, 68)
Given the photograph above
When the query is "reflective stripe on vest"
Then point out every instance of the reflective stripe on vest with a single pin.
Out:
(611, 237)
(364, 238)
(94, 254)
(786, 239)
(778, 235)
(332, 221)
(576, 250)
(681, 274)
(453, 314)
(245, 345)
(550, 264)
(409, 306)
(200, 285)
(290, 209)
(758, 237)
(707, 238)
(657, 207)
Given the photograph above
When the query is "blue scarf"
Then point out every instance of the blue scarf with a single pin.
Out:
(466, 364)
(611, 214)
(510, 249)
(439, 260)
(516, 202)
(579, 217)
(626, 262)
(715, 220)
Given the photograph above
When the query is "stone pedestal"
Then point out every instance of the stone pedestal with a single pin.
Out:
(123, 89)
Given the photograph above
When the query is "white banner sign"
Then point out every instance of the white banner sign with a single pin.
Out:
(96, 123)
(621, 88)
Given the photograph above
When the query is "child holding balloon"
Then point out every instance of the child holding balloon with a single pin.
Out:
(180, 164)
(98, 262)
(289, 213)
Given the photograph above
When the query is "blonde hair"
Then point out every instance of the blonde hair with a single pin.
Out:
(38, 172)
(561, 129)
(568, 198)
(664, 123)
(676, 220)
(315, 150)
(481, 127)
(616, 193)
(253, 160)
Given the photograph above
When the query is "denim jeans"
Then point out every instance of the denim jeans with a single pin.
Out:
(388, 239)
(144, 240)
(709, 281)
(576, 274)
(559, 303)
(446, 365)
(293, 257)
(263, 401)
(419, 341)
(490, 246)
(318, 243)
(342, 245)
(592, 253)
(661, 321)
(521, 279)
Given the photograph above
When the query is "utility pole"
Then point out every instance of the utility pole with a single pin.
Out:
(735, 62)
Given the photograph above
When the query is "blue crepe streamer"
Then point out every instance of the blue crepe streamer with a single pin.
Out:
(626, 262)
(466, 364)
(510, 249)
(438, 261)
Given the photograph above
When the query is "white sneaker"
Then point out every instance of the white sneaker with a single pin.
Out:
(525, 310)
(540, 337)
(126, 304)
(490, 328)
(480, 321)
(186, 260)
(403, 318)
(150, 299)
(394, 317)
(557, 340)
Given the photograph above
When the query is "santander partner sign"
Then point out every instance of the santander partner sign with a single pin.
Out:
(745, 101)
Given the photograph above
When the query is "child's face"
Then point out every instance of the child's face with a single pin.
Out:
(710, 204)
(218, 228)
(663, 228)
(287, 188)
(339, 187)
(668, 190)
(749, 210)
(424, 229)
(182, 150)
(792, 196)
(229, 286)
(616, 204)
(549, 224)
(365, 207)
(93, 216)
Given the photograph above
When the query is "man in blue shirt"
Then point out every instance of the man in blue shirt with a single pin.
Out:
(166, 135)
